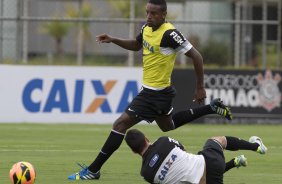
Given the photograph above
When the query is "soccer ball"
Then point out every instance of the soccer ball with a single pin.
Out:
(22, 173)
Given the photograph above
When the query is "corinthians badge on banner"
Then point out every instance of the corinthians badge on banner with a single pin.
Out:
(269, 93)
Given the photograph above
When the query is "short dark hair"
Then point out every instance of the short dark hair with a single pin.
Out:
(162, 3)
(135, 139)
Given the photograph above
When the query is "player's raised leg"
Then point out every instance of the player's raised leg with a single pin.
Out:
(235, 144)
(254, 144)
(216, 106)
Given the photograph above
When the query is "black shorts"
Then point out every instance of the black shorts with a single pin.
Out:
(149, 104)
(215, 162)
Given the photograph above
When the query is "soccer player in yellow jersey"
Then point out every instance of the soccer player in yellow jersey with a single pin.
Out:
(160, 42)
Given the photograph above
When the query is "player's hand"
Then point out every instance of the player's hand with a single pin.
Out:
(200, 95)
(103, 38)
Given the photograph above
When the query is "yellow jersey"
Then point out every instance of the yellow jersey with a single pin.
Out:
(159, 53)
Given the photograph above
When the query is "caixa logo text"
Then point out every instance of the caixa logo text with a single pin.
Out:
(58, 97)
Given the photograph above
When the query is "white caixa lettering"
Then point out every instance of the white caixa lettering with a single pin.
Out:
(166, 167)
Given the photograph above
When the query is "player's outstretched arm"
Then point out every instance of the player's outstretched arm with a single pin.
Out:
(129, 44)
(200, 93)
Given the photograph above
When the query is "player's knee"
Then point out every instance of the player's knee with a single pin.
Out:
(123, 123)
(165, 124)
(221, 140)
(120, 126)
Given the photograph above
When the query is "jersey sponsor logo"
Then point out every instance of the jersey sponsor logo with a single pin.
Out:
(39, 96)
(154, 160)
(166, 167)
(177, 38)
(147, 46)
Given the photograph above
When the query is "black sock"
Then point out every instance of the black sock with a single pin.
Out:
(183, 117)
(234, 144)
(111, 145)
(229, 165)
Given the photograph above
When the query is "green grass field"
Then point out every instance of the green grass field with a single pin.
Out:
(54, 150)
